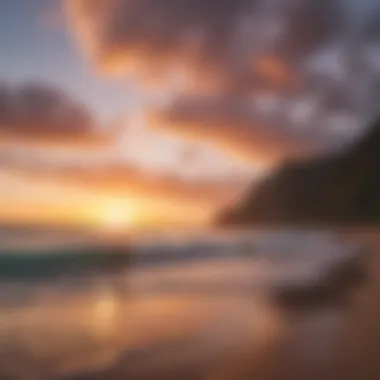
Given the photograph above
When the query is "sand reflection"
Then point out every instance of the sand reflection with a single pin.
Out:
(205, 320)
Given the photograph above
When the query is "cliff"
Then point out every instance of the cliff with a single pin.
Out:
(343, 188)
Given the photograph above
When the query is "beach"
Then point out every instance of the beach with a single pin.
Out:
(200, 319)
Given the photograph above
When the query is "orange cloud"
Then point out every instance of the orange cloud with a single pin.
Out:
(276, 72)
(92, 142)
(118, 180)
(154, 39)
(235, 129)
(55, 163)
(201, 37)
(82, 196)
(234, 51)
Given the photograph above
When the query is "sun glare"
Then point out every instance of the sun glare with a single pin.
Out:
(116, 217)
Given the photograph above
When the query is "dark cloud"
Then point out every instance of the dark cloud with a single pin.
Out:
(305, 66)
(194, 33)
(204, 37)
(35, 110)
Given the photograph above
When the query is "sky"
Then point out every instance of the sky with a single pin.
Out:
(150, 105)
(35, 46)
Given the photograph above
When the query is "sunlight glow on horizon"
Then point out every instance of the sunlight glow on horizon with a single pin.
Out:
(116, 216)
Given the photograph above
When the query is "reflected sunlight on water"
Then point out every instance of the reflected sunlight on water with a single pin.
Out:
(75, 333)
(210, 318)
(105, 310)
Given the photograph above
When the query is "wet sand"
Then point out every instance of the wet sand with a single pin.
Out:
(202, 320)
(358, 353)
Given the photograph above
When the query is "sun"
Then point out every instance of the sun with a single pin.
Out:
(116, 216)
